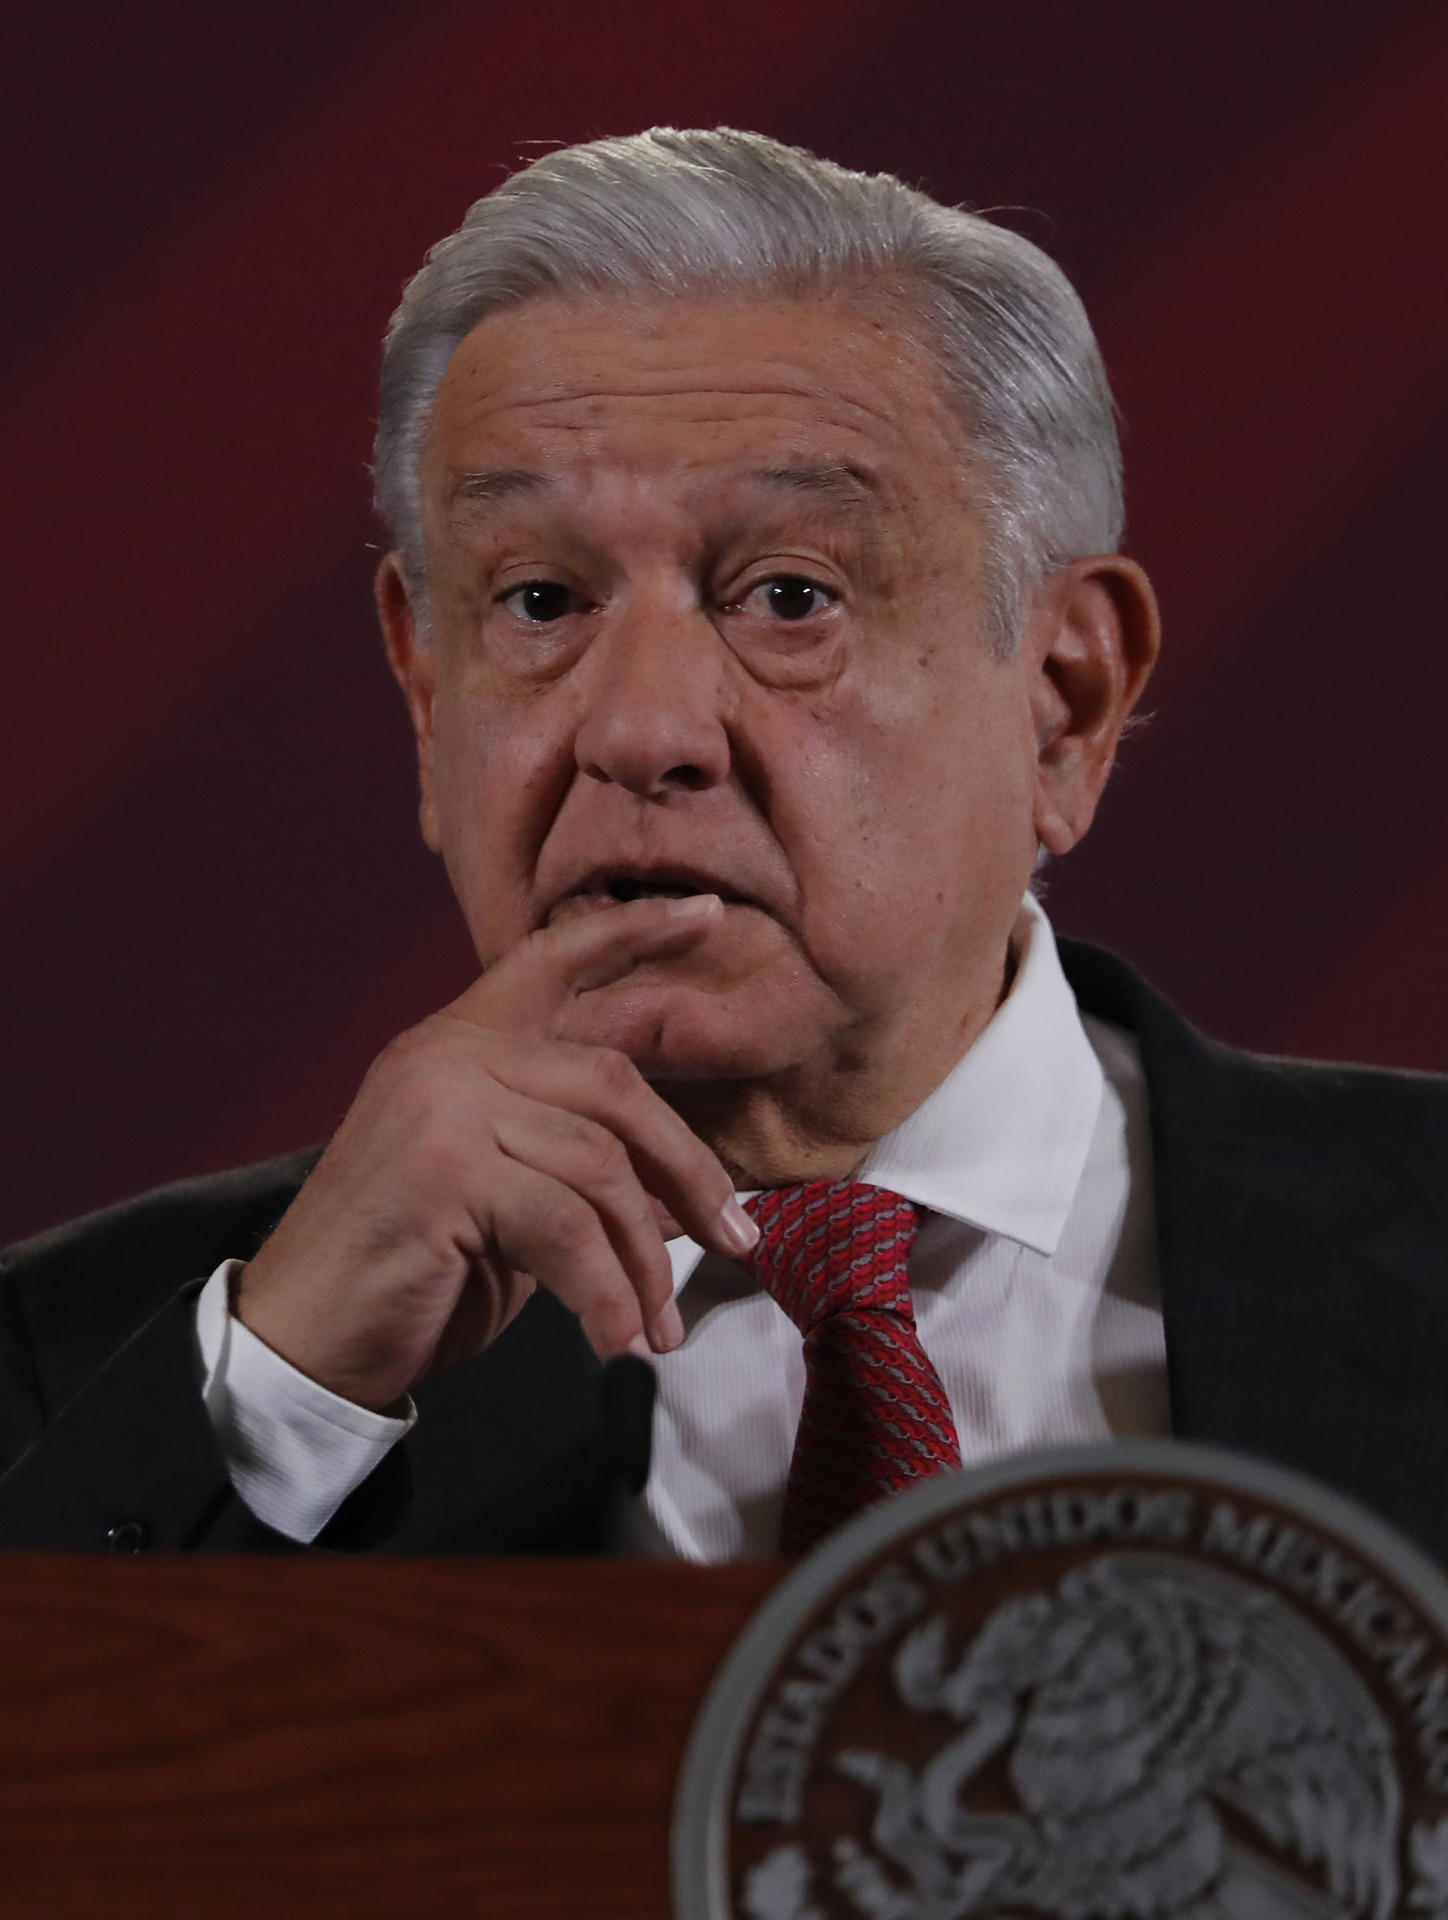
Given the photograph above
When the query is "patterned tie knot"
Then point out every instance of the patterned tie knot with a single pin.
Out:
(833, 1246)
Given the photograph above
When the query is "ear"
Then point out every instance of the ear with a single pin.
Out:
(1092, 638)
(415, 667)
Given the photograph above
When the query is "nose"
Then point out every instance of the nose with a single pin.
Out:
(655, 704)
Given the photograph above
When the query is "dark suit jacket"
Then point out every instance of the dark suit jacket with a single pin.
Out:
(1302, 1215)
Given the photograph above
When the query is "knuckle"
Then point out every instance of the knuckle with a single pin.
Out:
(413, 1045)
(570, 1223)
(416, 1068)
(401, 1061)
(612, 1317)
(602, 1157)
(616, 1074)
(533, 949)
(654, 1285)
(438, 1163)
(426, 1096)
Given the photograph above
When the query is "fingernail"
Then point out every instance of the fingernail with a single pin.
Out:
(641, 1347)
(668, 1329)
(693, 906)
(739, 1230)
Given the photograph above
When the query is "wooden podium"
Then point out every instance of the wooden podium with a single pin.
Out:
(254, 1739)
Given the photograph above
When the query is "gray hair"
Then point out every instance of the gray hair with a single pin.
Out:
(722, 212)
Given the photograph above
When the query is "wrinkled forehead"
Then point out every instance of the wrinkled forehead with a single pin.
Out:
(818, 401)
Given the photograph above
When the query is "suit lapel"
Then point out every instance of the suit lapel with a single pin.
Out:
(1298, 1274)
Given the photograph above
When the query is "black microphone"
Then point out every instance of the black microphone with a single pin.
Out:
(626, 1396)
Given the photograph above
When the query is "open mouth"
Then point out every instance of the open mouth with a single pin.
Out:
(612, 886)
(655, 889)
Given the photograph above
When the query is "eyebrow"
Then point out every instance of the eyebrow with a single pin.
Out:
(834, 483)
(493, 484)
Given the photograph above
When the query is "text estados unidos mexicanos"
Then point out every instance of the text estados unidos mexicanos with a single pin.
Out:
(827, 1659)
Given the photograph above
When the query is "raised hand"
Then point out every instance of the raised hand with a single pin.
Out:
(483, 1156)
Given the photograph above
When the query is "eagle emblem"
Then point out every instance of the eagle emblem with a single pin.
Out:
(1152, 1717)
(1145, 1681)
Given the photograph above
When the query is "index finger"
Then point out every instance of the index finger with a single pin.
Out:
(672, 1164)
(526, 990)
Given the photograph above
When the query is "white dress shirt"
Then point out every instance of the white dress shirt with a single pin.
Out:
(1033, 1278)
(293, 1448)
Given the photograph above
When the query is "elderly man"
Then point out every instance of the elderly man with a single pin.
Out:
(757, 603)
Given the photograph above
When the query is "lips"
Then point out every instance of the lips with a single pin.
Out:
(615, 885)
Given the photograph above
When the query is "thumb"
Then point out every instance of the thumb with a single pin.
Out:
(529, 987)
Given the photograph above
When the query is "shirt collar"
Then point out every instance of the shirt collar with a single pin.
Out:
(1002, 1141)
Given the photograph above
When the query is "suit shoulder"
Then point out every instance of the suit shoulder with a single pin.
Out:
(1398, 1113)
(174, 1233)
(72, 1296)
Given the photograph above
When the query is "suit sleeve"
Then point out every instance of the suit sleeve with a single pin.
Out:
(129, 1463)
(107, 1444)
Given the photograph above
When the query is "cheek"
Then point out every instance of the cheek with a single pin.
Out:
(919, 828)
(468, 746)
(495, 785)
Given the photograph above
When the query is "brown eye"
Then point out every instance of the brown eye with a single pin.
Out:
(789, 597)
(540, 601)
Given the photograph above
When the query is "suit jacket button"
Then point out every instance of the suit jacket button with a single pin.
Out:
(129, 1536)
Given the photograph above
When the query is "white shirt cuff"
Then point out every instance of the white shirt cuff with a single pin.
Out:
(293, 1449)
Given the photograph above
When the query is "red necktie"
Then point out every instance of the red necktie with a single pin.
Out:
(875, 1418)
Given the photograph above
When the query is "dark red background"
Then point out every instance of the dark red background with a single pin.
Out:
(215, 908)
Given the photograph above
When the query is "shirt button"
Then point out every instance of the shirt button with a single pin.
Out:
(129, 1536)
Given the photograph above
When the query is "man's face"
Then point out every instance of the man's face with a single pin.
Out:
(707, 616)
